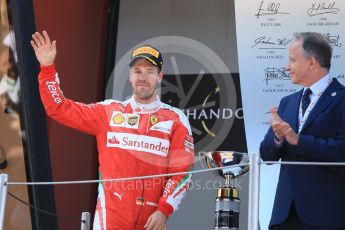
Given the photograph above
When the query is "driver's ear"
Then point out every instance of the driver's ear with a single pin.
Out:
(160, 76)
(130, 74)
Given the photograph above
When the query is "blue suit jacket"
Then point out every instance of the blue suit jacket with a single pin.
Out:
(317, 191)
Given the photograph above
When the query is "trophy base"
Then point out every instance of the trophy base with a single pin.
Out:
(227, 209)
(227, 220)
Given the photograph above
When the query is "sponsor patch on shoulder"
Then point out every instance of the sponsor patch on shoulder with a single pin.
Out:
(117, 119)
(188, 143)
(163, 126)
(126, 120)
(132, 121)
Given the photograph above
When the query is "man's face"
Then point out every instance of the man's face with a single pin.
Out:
(144, 77)
(298, 66)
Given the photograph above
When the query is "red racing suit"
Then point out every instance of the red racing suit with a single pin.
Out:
(132, 140)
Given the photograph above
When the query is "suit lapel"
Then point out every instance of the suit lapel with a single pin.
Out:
(293, 116)
(326, 98)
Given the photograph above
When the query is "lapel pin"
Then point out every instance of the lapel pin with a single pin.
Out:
(333, 94)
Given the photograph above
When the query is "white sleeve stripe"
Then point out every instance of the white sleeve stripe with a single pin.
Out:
(181, 190)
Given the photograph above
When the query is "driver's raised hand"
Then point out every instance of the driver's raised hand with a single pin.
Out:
(45, 50)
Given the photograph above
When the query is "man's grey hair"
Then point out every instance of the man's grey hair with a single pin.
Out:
(316, 45)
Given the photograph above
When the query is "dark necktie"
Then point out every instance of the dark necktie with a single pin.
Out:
(306, 100)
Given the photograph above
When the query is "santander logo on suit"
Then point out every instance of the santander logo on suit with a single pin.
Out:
(137, 142)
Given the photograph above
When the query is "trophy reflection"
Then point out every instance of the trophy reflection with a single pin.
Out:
(227, 210)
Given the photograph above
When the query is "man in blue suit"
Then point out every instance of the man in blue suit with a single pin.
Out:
(309, 126)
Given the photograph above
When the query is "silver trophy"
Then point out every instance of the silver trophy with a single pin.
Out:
(227, 210)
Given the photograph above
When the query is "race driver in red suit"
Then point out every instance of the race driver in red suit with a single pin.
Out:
(138, 137)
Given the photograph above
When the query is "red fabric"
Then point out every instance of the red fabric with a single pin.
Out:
(130, 143)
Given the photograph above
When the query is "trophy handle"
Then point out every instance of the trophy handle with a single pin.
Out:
(201, 158)
(207, 160)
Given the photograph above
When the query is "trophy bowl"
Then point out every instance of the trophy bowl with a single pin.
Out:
(215, 159)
